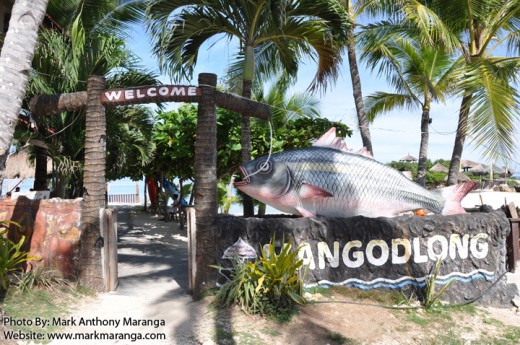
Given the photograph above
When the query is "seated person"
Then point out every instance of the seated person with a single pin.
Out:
(175, 206)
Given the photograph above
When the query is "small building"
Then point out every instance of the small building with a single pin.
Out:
(439, 168)
(408, 159)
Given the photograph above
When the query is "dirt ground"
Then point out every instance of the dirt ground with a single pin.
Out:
(153, 300)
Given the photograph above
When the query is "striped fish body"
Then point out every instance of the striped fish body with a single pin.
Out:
(322, 181)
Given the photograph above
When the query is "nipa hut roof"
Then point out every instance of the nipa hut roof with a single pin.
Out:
(460, 177)
(19, 166)
(439, 168)
(468, 164)
(408, 158)
(479, 169)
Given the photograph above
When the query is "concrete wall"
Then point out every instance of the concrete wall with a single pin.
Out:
(386, 253)
(51, 228)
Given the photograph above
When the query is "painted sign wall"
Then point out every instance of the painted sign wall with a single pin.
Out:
(391, 253)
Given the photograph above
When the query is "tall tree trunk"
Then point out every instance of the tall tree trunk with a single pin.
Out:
(245, 140)
(460, 138)
(94, 184)
(206, 204)
(423, 148)
(40, 170)
(364, 130)
(15, 64)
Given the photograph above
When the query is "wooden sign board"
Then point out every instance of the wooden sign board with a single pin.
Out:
(151, 94)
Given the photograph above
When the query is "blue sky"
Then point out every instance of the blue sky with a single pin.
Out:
(394, 135)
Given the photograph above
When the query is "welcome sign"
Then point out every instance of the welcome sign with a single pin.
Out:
(151, 94)
(391, 253)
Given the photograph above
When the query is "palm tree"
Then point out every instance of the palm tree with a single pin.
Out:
(85, 50)
(478, 30)
(15, 62)
(419, 75)
(270, 34)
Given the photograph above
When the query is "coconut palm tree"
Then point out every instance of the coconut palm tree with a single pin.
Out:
(65, 60)
(270, 34)
(15, 64)
(479, 30)
(420, 75)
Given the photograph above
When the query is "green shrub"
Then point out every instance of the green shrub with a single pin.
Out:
(270, 285)
(11, 257)
(431, 298)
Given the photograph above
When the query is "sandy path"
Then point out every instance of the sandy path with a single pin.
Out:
(152, 296)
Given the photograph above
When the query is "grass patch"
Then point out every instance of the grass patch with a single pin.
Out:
(41, 304)
(413, 317)
(272, 332)
(381, 297)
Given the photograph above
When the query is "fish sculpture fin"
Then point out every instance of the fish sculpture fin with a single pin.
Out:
(305, 213)
(311, 191)
(364, 152)
(454, 195)
(330, 140)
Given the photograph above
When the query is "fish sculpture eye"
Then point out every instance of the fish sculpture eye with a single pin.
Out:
(264, 167)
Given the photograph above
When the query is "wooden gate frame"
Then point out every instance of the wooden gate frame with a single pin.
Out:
(208, 98)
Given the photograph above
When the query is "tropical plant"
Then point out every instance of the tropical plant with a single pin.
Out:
(419, 74)
(269, 285)
(63, 61)
(11, 257)
(479, 31)
(271, 36)
(432, 298)
(15, 60)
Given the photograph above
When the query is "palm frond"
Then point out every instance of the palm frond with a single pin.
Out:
(493, 115)
(380, 103)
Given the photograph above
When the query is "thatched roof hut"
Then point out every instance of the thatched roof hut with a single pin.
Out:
(460, 177)
(19, 166)
(408, 158)
(439, 168)
(479, 169)
(465, 164)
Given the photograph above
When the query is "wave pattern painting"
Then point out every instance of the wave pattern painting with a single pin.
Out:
(407, 280)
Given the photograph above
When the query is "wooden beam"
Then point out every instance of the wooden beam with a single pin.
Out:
(242, 105)
(52, 104)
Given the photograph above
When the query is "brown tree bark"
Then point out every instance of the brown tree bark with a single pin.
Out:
(52, 104)
(364, 130)
(206, 204)
(460, 138)
(423, 147)
(91, 242)
(15, 64)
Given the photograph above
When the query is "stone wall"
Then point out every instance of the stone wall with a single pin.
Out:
(387, 253)
(51, 228)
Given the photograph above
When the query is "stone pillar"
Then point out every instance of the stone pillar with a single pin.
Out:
(205, 184)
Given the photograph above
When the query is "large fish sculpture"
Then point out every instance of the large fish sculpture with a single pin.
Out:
(328, 180)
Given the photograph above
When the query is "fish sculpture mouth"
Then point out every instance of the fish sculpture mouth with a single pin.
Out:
(245, 178)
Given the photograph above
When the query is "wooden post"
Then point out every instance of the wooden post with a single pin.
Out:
(513, 240)
(94, 186)
(192, 245)
(206, 187)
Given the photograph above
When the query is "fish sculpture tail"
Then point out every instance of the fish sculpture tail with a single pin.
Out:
(454, 195)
